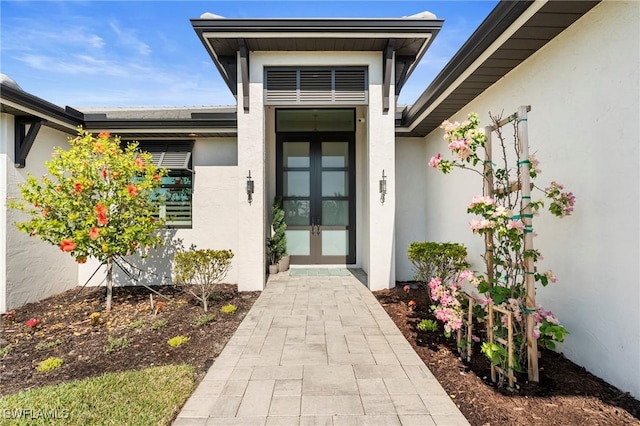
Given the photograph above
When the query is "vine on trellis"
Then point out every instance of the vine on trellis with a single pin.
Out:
(506, 210)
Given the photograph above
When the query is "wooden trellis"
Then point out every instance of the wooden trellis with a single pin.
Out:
(524, 186)
(507, 343)
(465, 333)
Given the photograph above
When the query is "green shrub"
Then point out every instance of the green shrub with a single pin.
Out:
(48, 345)
(427, 325)
(228, 309)
(277, 242)
(136, 324)
(5, 351)
(442, 260)
(203, 320)
(115, 344)
(49, 364)
(200, 271)
(178, 341)
(161, 323)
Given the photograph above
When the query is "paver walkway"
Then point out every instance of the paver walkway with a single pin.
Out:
(318, 350)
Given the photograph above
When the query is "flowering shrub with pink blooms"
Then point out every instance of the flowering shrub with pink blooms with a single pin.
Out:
(500, 219)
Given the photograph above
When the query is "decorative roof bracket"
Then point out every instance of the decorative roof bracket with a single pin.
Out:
(23, 139)
(244, 73)
(406, 62)
(387, 67)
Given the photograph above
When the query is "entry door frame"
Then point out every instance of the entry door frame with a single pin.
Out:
(315, 139)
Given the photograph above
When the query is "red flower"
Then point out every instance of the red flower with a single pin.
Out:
(105, 135)
(78, 186)
(133, 191)
(94, 233)
(81, 259)
(67, 245)
(156, 177)
(104, 173)
(98, 148)
(139, 162)
(406, 288)
(32, 322)
(101, 211)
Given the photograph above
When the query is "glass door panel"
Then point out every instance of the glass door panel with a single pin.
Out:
(316, 180)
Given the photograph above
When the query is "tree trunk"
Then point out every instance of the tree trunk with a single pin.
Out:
(205, 302)
(109, 283)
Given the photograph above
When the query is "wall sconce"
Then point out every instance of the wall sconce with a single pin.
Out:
(249, 188)
(383, 187)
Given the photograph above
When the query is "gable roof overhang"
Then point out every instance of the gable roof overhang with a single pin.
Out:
(512, 32)
(224, 38)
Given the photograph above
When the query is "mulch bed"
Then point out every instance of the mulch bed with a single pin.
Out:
(82, 346)
(566, 395)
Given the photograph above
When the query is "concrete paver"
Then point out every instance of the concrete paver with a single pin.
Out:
(317, 349)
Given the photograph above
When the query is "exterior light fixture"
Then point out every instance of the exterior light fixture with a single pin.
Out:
(249, 188)
(383, 187)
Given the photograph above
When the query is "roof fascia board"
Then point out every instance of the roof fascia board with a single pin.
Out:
(246, 26)
(442, 85)
(210, 125)
(38, 107)
(319, 34)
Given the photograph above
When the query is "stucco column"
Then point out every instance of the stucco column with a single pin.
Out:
(381, 156)
(6, 135)
(250, 258)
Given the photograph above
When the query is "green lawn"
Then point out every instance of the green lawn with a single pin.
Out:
(147, 397)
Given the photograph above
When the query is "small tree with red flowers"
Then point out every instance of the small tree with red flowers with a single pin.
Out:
(98, 199)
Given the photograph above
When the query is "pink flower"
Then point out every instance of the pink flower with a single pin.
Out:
(406, 288)
(478, 225)
(465, 275)
(551, 276)
(515, 224)
(435, 161)
(481, 200)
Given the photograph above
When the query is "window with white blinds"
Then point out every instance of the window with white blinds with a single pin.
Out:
(317, 86)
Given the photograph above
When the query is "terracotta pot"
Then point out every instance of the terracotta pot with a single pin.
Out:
(273, 269)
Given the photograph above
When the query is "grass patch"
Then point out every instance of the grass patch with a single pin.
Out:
(145, 397)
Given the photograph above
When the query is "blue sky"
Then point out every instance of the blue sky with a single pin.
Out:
(145, 53)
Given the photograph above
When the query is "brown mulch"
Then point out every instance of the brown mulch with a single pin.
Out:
(82, 346)
(566, 395)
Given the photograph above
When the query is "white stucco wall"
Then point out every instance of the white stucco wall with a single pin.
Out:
(33, 269)
(411, 203)
(583, 90)
(214, 213)
(375, 150)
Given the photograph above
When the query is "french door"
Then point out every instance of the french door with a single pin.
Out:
(316, 180)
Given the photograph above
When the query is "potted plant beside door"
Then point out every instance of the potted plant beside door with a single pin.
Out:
(278, 237)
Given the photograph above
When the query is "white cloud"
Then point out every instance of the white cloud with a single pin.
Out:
(129, 38)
